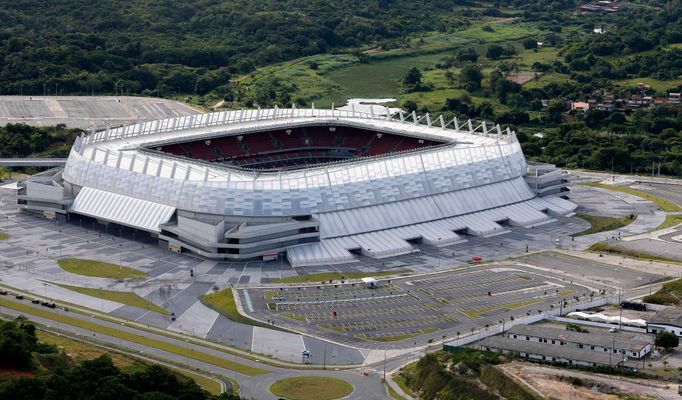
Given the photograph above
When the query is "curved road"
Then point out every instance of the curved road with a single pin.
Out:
(365, 387)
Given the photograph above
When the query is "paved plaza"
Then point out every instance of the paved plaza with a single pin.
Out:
(424, 306)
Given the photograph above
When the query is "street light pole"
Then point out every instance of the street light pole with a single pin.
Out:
(384, 365)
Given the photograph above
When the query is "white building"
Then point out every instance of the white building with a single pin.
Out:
(668, 319)
(316, 185)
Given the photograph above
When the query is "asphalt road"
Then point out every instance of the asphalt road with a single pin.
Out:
(366, 387)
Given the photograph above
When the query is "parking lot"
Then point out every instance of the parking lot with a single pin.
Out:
(400, 311)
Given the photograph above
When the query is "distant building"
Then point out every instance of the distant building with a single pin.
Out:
(675, 97)
(608, 107)
(668, 320)
(580, 106)
(574, 348)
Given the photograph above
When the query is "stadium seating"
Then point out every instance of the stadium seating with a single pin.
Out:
(301, 145)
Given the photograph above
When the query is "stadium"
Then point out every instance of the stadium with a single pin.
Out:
(317, 186)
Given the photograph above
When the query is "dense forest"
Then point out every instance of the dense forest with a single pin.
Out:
(44, 372)
(183, 46)
(225, 49)
(161, 47)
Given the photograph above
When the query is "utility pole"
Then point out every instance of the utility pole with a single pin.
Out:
(384, 365)
(620, 318)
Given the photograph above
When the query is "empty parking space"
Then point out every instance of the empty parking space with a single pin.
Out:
(400, 310)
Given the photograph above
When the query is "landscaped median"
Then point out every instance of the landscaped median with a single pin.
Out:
(311, 388)
(621, 251)
(223, 303)
(665, 204)
(603, 224)
(135, 338)
(127, 298)
(336, 276)
(99, 269)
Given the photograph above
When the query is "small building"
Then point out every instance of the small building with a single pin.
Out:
(626, 344)
(555, 354)
(668, 320)
(580, 106)
(675, 97)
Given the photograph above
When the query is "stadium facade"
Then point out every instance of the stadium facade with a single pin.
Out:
(316, 185)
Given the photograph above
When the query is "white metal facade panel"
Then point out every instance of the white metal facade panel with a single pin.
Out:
(121, 209)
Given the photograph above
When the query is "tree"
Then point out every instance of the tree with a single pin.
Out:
(667, 340)
(410, 106)
(495, 52)
(529, 44)
(412, 80)
(471, 77)
(468, 54)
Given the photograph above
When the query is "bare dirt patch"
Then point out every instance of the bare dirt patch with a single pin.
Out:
(521, 77)
(555, 383)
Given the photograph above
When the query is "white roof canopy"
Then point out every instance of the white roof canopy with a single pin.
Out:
(121, 209)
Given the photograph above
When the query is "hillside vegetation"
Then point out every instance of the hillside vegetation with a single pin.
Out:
(463, 375)
(32, 370)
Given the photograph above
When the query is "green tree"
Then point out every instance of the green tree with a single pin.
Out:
(667, 340)
(495, 52)
(412, 80)
(529, 44)
(468, 54)
(471, 77)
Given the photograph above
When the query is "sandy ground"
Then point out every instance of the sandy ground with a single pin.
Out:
(521, 77)
(546, 380)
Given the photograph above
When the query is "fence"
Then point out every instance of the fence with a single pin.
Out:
(64, 278)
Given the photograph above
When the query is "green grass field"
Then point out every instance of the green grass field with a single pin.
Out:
(127, 298)
(223, 302)
(609, 249)
(475, 314)
(665, 204)
(340, 77)
(335, 276)
(311, 388)
(132, 337)
(654, 83)
(602, 224)
(670, 293)
(397, 338)
(99, 269)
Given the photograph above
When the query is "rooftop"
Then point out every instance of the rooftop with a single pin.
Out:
(549, 350)
(622, 339)
(668, 316)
